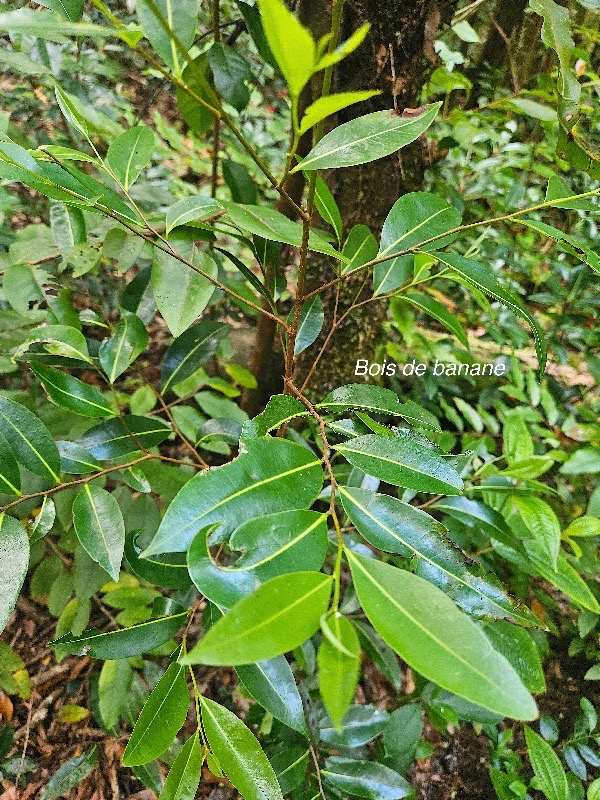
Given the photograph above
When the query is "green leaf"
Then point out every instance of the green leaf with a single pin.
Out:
(180, 292)
(483, 279)
(583, 526)
(517, 441)
(191, 209)
(292, 44)
(439, 312)
(10, 477)
(113, 690)
(272, 225)
(364, 779)
(280, 615)
(29, 440)
(239, 181)
(567, 242)
(402, 462)
(252, 279)
(345, 48)
(272, 545)
(328, 209)
(76, 460)
(119, 437)
(174, 19)
(198, 78)
(274, 475)
(396, 527)
(311, 321)
(380, 653)
(375, 399)
(529, 107)
(426, 629)
(280, 409)
(184, 776)
(71, 9)
(130, 153)
(240, 755)
(73, 394)
(546, 765)
(324, 107)
(541, 521)
(584, 461)
(68, 227)
(168, 570)
(272, 684)
(70, 774)
(563, 576)
(367, 139)
(123, 347)
(124, 643)
(559, 190)
(339, 665)
(230, 73)
(190, 351)
(362, 724)
(291, 765)
(47, 25)
(414, 218)
(161, 719)
(402, 735)
(100, 528)
(478, 515)
(14, 560)
(519, 649)
(60, 340)
(359, 248)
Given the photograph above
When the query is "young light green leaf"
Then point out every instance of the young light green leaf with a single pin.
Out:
(274, 475)
(272, 684)
(359, 248)
(345, 48)
(119, 437)
(583, 526)
(184, 776)
(162, 717)
(364, 779)
(367, 138)
(324, 107)
(240, 755)
(71, 393)
(402, 462)
(542, 523)
(190, 351)
(100, 528)
(163, 22)
(426, 629)
(10, 477)
(546, 766)
(312, 317)
(281, 615)
(439, 312)
(339, 664)
(124, 346)
(291, 43)
(29, 440)
(14, 560)
(130, 153)
(70, 774)
(191, 209)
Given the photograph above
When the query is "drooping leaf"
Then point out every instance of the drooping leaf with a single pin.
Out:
(29, 440)
(371, 398)
(70, 774)
(272, 684)
(118, 437)
(426, 629)
(161, 719)
(567, 242)
(367, 138)
(124, 346)
(59, 340)
(339, 664)
(564, 576)
(130, 153)
(311, 321)
(14, 560)
(184, 776)
(174, 19)
(291, 44)
(100, 528)
(361, 725)
(71, 393)
(328, 208)
(438, 312)
(280, 615)
(190, 351)
(546, 766)
(364, 779)
(272, 476)
(324, 107)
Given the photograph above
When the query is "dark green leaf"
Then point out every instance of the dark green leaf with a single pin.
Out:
(189, 351)
(230, 73)
(76, 460)
(73, 394)
(271, 683)
(14, 560)
(71, 9)
(100, 528)
(118, 437)
(439, 312)
(240, 182)
(29, 440)
(123, 347)
(361, 725)
(10, 477)
(312, 316)
(365, 779)
(198, 78)
(252, 279)
(168, 570)
(70, 774)
(327, 208)
(359, 248)
(280, 409)
(375, 399)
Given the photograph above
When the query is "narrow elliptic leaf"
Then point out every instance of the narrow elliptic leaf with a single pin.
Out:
(324, 107)
(280, 409)
(396, 527)
(197, 77)
(191, 209)
(273, 475)
(70, 774)
(541, 521)
(240, 182)
(339, 664)
(519, 649)
(123, 347)
(240, 755)
(130, 153)
(402, 462)
(427, 630)
(367, 138)
(438, 312)
(564, 576)
(184, 776)
(168, 570)
(312, 316)
(252, 279)
(10, 477)
(189, 351)
(478, 515)
(281, 615)
(30, 441)
(160, 721)
(71, 393)
(164, 21)
(291, 44)
(118, 437)
(371, 398)
(68, 227)
(100, 528)
(124, 643)
(272, 684)
(359, 248)
(113, 690)
(364, 779)
(14, 560)
(546, 765)
(328, 209)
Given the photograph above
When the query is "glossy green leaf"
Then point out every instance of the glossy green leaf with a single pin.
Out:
(367, 138)
(413, 219)
(563, 576)
(396, 527)
(272, 684)
(311, 321)
(364, 779)
(324, 107)
(359, 248)
(168, 570)
(123, 347)
(426, 629)
(10, 477)
(252, 279)
(292, 44)
(118, 437)
(184, 776)
(380, 653)
(70, 774)
(130, 153)
(361, 725)
(402, 735)
(402, 462)
(275, 544)
(328, 209)
(76, 460)
(174, 19)
(546, 766)
(280, 409)
(113, 689)
(240, 755)
(180, 292)
(230, 72)
(290, 767)
(475, 514)
(29, 440)
(339, 664)
(191, 209)
(124, 643)
(280, 615)
(371, 398)
(272, 476)
(541, 521)
(240, 182)
(59, 340)
(73, 394)
(14, 560)
(161, 719)
(190, 351)
(100, 528)
(438, 312)
(418, 416)
(519, 649)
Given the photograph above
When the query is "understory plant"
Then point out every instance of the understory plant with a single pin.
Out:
(328, 534)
